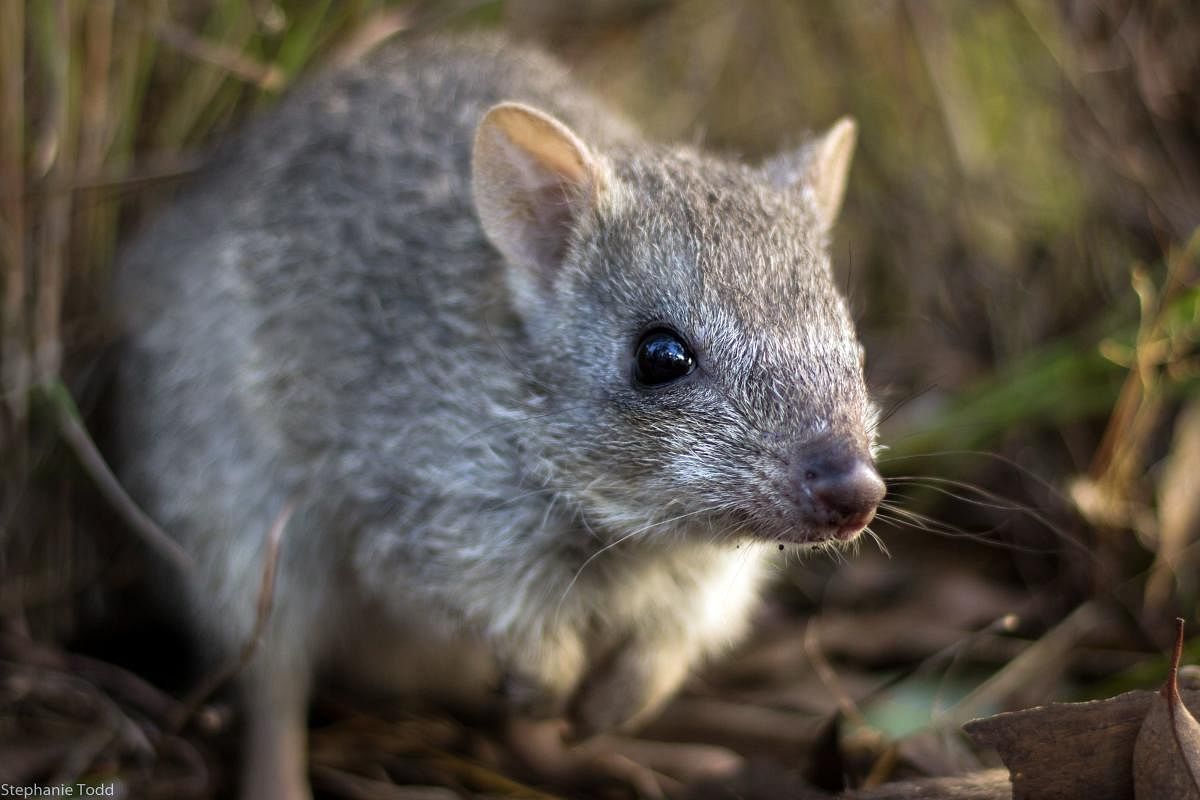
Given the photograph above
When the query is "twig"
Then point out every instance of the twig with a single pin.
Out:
(1044, 657)
(196, 781)
(53, 149)
(369, 34)
(1170, 690)
(47, 681)
(94, 464)
(266, 594)
(99, 721)
(14, 361)
(357, 787)
(267, 77)
(114, 680)
(828, 677)
(167, 167)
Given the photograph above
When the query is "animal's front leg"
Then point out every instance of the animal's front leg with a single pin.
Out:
(540, 674)
(619, 692)
(631, 684)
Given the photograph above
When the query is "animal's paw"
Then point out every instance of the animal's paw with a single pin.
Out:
(626, 688)
(539, 675)
(653, 770)
(525, 696)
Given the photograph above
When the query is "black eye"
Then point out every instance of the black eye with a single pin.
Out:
(662, 357)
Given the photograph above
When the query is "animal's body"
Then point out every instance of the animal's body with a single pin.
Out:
(540, 397)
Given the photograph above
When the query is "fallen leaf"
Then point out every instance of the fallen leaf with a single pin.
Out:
(1166, 756)
(1064, 751)
(992, 784)
(1072, 750)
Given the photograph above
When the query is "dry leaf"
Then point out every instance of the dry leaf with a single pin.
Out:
(992, 784)
(1166, 758)
(1064, 751)
(1070, 750)
(770, 781)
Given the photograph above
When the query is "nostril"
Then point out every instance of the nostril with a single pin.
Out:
(837, 484)
(854, 493)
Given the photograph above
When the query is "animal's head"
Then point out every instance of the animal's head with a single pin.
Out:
(697, 361)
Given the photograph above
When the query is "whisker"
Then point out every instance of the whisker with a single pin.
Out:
(937, 484)
(923, 522)
(1021, 468)
(899, 405)
(741, 562)
(624, 538)
(903, 516)
(927, 483)
(874, 537)
(918, 521)
(900, 522)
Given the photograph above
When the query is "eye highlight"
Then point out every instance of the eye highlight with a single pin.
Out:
(662, 357)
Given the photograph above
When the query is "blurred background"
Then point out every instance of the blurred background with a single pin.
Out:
(1019, 246)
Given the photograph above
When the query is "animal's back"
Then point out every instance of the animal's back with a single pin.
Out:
(322, 306)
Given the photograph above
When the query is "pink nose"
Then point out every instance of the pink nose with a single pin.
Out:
(844, 487)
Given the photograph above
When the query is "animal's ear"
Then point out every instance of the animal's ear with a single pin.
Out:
(821, 166)
(533, 179)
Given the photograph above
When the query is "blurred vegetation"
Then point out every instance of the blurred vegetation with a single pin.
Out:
(1019, 245)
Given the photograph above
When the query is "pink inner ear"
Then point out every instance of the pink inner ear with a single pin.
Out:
(533, 181)
(554, 208)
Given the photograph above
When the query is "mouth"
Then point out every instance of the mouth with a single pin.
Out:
(854, 525)
(784, 533)
(772, 525)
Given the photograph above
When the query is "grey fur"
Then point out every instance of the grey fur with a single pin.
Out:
(320, 321)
